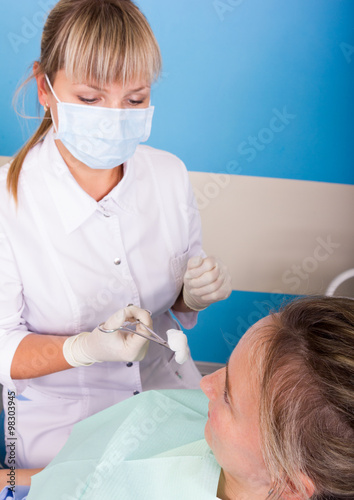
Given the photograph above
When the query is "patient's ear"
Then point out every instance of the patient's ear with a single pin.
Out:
(290, 492)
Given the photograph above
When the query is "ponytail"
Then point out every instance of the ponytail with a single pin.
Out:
(16, 165)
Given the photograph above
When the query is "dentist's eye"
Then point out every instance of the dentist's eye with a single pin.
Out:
(135, 103)
(87, 101)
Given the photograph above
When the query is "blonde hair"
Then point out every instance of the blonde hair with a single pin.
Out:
(307, 398)
(97, 41)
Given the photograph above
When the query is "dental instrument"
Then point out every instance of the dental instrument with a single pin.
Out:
(126, 327)
(177, 340)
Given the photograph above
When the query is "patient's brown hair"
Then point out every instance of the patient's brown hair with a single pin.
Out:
(307, 398)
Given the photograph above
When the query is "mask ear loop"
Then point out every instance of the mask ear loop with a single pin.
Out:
(51, 88)
(56, 97)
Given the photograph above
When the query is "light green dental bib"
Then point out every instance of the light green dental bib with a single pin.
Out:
(149, 447)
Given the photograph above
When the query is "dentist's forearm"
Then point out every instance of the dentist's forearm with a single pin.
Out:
(179, 305)
(39, 355)
(22, 476)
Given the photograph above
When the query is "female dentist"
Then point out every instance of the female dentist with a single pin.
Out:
(90, 222)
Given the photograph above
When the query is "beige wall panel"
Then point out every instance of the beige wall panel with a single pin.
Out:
(3, 160)
(277, 235)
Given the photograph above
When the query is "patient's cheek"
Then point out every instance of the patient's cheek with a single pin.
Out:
(214, 416)
(207, 433)
(216, 423)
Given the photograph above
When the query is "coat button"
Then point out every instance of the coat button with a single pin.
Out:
(117, 261)
(129, 364)
(136, 392)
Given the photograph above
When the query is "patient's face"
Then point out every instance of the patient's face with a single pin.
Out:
(232, 430)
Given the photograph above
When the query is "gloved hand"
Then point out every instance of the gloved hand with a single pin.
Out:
(205, 281)
(94, 347)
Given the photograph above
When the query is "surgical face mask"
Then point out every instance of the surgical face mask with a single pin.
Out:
(101, 138)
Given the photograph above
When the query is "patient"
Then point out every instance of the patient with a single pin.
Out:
(280, 424)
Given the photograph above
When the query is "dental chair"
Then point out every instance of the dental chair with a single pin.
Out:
(341, 285)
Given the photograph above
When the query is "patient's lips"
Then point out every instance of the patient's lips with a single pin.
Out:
(177, 341)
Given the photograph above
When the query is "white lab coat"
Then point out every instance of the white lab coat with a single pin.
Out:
(68, 262)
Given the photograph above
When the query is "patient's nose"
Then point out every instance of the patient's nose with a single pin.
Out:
(212, 384)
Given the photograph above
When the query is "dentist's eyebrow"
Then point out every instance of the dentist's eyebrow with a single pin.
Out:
(89, 85)
(130, 91)
(140, 88)
(96, 88)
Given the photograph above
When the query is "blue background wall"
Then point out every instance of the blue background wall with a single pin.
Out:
(227, 65)
(230, 68)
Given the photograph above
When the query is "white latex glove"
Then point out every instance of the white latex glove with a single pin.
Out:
(87, 348)
(206, 281)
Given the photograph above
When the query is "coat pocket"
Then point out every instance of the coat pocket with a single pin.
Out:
(179, 266)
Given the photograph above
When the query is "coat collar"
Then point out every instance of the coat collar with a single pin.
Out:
(73, 204)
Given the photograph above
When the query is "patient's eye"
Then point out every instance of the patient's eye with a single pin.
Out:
(226, 398)
(226, 386)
